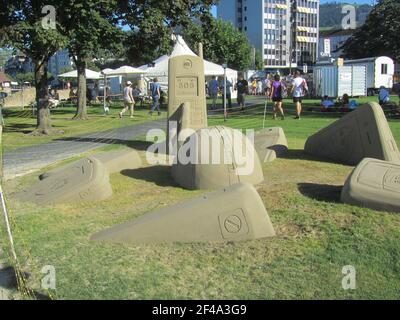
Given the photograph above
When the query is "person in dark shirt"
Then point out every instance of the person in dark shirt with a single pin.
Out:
(242, 87)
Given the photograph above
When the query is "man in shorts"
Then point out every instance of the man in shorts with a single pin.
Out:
(299, 87)
(242, 87)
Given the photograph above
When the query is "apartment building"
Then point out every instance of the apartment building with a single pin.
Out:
(284, 31)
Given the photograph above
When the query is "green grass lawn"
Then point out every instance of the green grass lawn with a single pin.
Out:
(316, 235)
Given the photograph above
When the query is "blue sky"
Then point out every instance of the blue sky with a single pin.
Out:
(214, 10)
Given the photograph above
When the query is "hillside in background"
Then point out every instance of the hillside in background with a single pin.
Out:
(330, 14)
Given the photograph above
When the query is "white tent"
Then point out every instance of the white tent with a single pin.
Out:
(90, 74)
(122, 71)
(159, 68)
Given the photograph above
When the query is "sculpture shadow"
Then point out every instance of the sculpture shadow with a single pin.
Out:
(8, 280)
(160, 175)
(299, 154)
(321, 192)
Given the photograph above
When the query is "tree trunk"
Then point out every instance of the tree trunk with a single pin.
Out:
(43, 125)
(81, 108)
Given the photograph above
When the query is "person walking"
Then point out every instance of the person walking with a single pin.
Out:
(277, 96)
(242, 87)
(129, 102)
(213, 91)
(155, 90)
(228, 93)
(254, 87)
(299, 87)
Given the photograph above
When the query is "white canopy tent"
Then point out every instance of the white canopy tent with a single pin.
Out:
(159, 68)
(122, 71)
(90, 74)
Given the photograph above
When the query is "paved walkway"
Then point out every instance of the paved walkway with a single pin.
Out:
(28, 159)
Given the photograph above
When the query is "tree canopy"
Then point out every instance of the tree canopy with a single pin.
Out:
(379, 35)
(23, 30)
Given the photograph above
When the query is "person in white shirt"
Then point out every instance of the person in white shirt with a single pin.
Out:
(129, 102)
(299, 88)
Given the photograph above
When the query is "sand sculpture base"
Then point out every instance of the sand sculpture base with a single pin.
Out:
(363, 133)
(270, 143)
(216, 163)
(231, 214)
(114, 161)
(374, 184)
(83, 180)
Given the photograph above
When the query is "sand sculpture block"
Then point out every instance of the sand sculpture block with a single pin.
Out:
(231, 214)
(220, 157)
(187, 106)
(113, 161)
(84, 180)
(360, 134)
(270, 143)
(119, 160)
(374, 184)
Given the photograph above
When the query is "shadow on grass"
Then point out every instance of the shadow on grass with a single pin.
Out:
(160, 175)
(8, 280)
(21, 128)
(320, 192)
(25, 128)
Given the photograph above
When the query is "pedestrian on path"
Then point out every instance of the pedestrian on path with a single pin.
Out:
(299, 89)
(242, 87)
(213, 91)
(155, 90)
(129, 102)
(277, 96)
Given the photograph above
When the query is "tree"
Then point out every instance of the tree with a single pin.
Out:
(379, 35)
(153, 21)
(24, 30)
(90, 26)
(222, 42)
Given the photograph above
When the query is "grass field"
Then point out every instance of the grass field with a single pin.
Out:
(316, 235)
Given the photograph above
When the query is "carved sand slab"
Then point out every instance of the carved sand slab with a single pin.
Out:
(84, 180)
(231, 214)
(270, 143)
(374, 184)
(219, 157)
(360, 134)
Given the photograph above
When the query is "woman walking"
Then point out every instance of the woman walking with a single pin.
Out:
(129, 102)
(276, 96)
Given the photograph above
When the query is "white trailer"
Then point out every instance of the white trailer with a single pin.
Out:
(380, 71)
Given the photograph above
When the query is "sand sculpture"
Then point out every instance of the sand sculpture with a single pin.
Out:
(360, 134)
(186, 97)
(83, 180)
(230, 214)
(218, 157)
(374, 184)
(270, 143)
(114, 161)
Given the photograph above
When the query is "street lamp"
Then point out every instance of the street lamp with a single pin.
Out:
(225, 65)
(21, 60)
